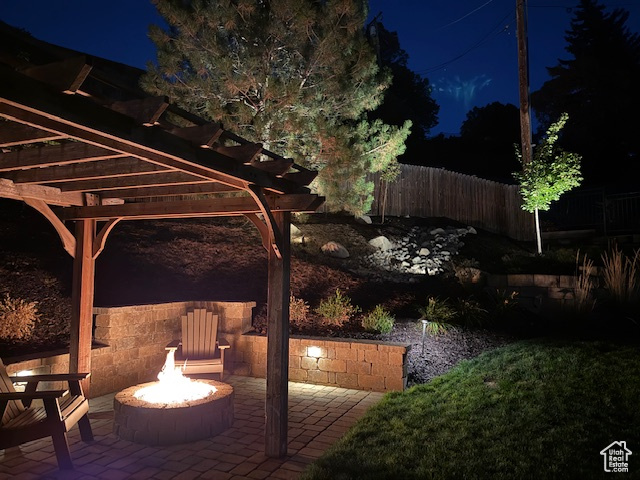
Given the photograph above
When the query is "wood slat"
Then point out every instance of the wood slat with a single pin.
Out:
(245, 154)
(187, 208)
(66, 75)
(278, 166)
(203, 136)
(149, 179)
(12, 134)
(145, 111)
(65, 154)
(50, 195)
(168, 190)
(119, 167)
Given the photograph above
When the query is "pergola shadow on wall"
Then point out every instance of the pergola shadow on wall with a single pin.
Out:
(83, 145)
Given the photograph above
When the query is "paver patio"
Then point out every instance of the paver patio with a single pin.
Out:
(318, 416)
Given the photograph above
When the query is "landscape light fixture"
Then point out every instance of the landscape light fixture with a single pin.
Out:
(314, 352)
(424, 331)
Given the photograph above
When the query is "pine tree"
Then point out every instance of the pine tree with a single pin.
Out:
(598, 88)
(298, 76)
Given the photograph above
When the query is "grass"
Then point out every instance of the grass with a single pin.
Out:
(534, 409)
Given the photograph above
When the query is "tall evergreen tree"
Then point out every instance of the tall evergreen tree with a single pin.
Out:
(408, 97)
(598, 87)
(296, 75)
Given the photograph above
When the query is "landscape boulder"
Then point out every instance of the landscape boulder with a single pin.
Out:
(334, 249)
(381, 243)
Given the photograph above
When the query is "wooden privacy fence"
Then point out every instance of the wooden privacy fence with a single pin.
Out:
(435, 192)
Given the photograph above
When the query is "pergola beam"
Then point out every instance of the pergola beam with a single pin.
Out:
(25, 101)
(49, 195)
(190, 208)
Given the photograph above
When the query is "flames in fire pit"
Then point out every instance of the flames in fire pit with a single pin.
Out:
(173, 386)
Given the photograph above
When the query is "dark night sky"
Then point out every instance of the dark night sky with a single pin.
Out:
(467, 48)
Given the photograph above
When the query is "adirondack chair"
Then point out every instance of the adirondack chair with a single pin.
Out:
(200, 350)
(61, 410)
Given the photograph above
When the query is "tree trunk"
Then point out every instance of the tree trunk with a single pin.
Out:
(538, 234)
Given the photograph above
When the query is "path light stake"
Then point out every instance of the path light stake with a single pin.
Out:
(424, 330)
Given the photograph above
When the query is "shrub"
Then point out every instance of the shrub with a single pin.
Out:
(438, 313)
(583, 288)
(505, 304)
(17, 318)
(298, 312)
(470, 313)
(620, 275)
(337, 309)
(378, 320)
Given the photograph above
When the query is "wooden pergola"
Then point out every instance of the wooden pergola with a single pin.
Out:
(83, 145)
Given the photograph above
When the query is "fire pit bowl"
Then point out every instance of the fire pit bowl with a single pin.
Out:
(149, 423)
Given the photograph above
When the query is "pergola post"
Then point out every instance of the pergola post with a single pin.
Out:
(82, 300)
(277, 398)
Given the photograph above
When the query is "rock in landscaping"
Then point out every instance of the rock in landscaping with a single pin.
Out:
(381, 243)
(364, 219)
(420, 252)
(334, 249)
(296, 235)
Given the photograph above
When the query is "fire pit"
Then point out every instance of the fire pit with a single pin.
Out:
(175, 409)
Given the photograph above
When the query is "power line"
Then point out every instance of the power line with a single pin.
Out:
(464, 16)
(489, 36)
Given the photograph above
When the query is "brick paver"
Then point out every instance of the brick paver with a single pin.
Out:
(318, 416)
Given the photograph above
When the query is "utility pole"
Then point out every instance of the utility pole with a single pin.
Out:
(525, 109)
(523, 78)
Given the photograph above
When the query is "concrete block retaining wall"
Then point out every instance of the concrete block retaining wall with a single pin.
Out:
(538, 291)
(135, 338)
(348, 363)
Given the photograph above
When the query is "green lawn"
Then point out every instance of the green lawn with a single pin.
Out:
(531, 410)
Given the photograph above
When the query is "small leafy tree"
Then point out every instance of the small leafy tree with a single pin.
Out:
(551, 173)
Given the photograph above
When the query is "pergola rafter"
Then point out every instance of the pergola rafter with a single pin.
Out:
(81, 143)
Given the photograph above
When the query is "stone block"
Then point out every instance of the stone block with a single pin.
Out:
(297, 375)
(294, 361)
(364, 346)
(396, 359)
(395, 383)
(316, 376)
(347, 380)
(546, 281)
(102, 334)
(259, 370)
(360, 368)
(260, 345)
(567, 281)
(316, 342)
(376, 357)
(371, 382)
(103, 320)
(329, 365)
(309, 363)
(346, 354)
(394, 348)
(520, 280)
(393, 371)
